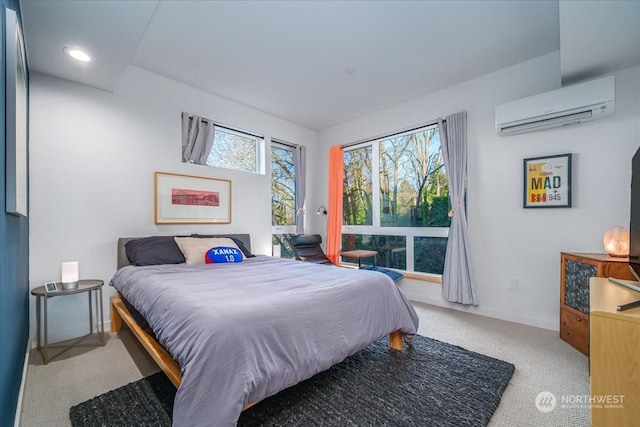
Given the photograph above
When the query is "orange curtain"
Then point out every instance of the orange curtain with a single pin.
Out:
(334, 216)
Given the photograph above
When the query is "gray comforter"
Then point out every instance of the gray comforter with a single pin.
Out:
(242, 332)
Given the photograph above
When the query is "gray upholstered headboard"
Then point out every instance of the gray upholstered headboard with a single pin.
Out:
(123, 260)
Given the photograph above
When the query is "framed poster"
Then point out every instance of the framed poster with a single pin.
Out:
(16, 108)
(188, 199)
(547, 182)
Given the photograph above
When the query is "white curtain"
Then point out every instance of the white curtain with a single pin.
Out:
(457, 279)
(300, 166)
(197, 139)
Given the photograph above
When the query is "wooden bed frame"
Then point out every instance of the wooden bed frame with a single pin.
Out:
(169, 366)
(120, 314)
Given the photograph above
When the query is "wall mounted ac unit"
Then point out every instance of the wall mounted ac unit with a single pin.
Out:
(582, 102)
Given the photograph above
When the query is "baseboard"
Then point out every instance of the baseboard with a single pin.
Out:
(495, 314)
(68, 334)
(23, 381)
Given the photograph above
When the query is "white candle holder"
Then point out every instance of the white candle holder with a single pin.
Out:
(69, 275)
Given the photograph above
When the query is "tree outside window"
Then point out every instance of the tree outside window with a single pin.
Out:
(358, 188)
(283, 197)
(234, 150)
(413, 183)
(283, 187)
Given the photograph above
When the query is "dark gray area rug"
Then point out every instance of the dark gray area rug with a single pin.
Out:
(429, 384)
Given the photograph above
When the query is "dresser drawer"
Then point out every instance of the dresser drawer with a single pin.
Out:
(577, 323)
(576, 269)
(577, 341)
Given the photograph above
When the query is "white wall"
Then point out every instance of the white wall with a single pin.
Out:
(93, 157)
(508, 241)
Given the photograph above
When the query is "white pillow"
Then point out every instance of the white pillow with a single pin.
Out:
(195, 249)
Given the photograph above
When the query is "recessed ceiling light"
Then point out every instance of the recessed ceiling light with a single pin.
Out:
(77, 54)
(350, 70)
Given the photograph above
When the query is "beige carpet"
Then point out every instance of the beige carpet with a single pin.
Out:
(543, 363)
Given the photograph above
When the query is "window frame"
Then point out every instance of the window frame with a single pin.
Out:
(376, 228)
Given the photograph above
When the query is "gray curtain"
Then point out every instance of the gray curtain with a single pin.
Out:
(300, 165)
(457, 279)
(197, 139)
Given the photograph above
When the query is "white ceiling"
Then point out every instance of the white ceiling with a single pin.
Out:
(598, 37)
(289, 58)
(110, 30)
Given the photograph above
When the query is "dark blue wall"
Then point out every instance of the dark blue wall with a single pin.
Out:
(14, 275)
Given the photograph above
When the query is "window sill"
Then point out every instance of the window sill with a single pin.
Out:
(348, 265)
(423, 277)
(413, 276)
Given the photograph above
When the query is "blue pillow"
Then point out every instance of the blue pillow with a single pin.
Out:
(395, 276)
(222, 254)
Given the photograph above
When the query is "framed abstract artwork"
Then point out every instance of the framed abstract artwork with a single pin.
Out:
(16, 110)
(188, 199)
(547, 182)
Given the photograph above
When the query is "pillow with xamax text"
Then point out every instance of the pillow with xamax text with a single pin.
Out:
(222, 254)
(195, 249)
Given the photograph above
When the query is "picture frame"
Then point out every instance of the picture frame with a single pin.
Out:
(189, 199)
(547, 181)
(16, 110)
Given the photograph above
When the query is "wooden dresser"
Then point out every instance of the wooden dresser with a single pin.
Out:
(575, 271)
(615, 356)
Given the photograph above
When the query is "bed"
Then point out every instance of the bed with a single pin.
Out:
(228, 335)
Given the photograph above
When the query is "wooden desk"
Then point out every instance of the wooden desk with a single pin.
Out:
(614, 355)
(359, 254)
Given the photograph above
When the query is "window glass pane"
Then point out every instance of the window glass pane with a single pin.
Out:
(413, 183)
(428, 253)
(283, 187)
(391, 249)
(358, 193)
(284, 240)
(233, 151)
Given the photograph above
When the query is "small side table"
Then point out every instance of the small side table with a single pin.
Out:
(87, 286)
(359, 254)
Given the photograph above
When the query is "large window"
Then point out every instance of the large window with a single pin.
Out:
(283, 196)
(234, 149)
(396, 200)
